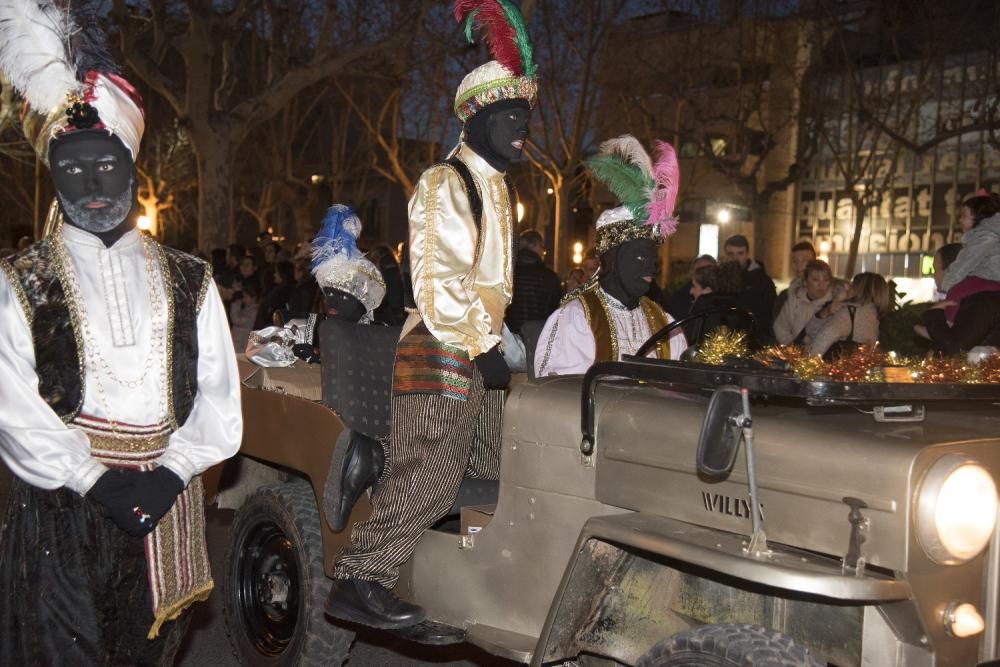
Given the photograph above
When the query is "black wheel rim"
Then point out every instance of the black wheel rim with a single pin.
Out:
(267, 588)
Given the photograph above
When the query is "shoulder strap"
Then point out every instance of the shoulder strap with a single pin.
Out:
(475, 200)
(656, 319)
(851, 310)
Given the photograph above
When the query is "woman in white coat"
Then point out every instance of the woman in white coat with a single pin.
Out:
(804, 302)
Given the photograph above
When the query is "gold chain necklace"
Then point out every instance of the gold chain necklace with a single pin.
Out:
(611, 304)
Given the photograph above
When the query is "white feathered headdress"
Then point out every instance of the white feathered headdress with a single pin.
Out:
(57, 60)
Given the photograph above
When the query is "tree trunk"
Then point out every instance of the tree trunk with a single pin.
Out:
(562, 253)
(852, 255)
(215, 193)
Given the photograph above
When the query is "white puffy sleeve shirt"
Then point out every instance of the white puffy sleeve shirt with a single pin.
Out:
(45, 452)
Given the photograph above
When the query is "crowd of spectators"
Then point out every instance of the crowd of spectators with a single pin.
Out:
(829, 316)
(825, 314)
(270, 284)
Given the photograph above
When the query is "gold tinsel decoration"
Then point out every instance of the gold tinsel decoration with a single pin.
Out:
(780, 355)
(809, 368)
(862, 364)
(866, 363)
(721, 345)
(947, 370)
(989, 369)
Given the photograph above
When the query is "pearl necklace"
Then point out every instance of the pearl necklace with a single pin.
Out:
(155, 355)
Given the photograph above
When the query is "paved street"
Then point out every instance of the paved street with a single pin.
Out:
(208, 646)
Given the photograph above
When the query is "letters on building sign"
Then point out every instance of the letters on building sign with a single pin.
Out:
(917, 214)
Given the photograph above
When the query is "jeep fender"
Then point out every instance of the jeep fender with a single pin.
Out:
(637, 578)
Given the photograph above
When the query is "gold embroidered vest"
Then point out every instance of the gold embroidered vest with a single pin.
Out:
(602, 326)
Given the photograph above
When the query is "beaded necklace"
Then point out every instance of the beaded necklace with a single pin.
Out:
(156, 356)
(635, 337)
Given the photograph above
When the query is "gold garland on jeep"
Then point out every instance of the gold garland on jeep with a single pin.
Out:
(866, 363)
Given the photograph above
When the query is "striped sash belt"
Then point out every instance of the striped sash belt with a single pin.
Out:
(425, 365)
(176, 553)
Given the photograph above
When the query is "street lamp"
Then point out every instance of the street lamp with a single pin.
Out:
(144, 224)
(549, 191)
(577, 253)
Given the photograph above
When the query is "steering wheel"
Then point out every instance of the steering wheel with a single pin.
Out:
(664, 332)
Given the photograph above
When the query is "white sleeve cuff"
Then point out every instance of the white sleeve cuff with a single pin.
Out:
(86, 476)
(178, 464)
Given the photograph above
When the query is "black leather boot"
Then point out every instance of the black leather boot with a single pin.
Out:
(372, 604)
(352, 470)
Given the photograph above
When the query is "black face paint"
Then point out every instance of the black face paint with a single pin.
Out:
(94, 177)
(342, 306)
(627, 270)
(497, 133)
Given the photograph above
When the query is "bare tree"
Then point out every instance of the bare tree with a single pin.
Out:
(406, 113)
(166, 172)
(725, 90)
(196, 55)
(877, 99)
(569, 42)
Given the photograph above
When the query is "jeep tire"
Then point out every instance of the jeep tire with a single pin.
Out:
(275, 587)
(729, 645)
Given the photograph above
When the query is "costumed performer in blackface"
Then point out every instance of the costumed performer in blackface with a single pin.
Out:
(119, 379)
(352, 289)
(352, 286)
(449, 374)
(610, 317)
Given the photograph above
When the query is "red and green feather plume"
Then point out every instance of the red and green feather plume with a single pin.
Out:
(504, 30)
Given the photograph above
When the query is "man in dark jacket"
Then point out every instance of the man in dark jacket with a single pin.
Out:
(680, 302)
(537, 289)
(757, 293)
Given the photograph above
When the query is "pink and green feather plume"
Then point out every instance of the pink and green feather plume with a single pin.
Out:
(647, 188)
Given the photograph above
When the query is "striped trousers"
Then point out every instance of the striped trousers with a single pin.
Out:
(435, 443)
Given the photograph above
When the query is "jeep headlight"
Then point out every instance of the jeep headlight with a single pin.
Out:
(956, 509)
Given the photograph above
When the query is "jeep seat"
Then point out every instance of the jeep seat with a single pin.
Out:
(356, 373)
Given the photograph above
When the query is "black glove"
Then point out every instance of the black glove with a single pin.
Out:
(115, 492)
(155, 493)
(496, 374)
(306, 352)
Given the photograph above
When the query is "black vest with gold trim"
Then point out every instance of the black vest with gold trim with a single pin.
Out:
(33, 273)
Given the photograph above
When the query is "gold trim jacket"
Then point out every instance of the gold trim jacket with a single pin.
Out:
(462, 278)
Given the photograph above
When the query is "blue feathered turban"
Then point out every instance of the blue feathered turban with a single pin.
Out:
(337, 262)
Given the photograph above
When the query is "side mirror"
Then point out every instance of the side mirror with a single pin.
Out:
(721, 432)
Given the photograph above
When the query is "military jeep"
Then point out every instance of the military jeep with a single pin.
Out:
(650, 513)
